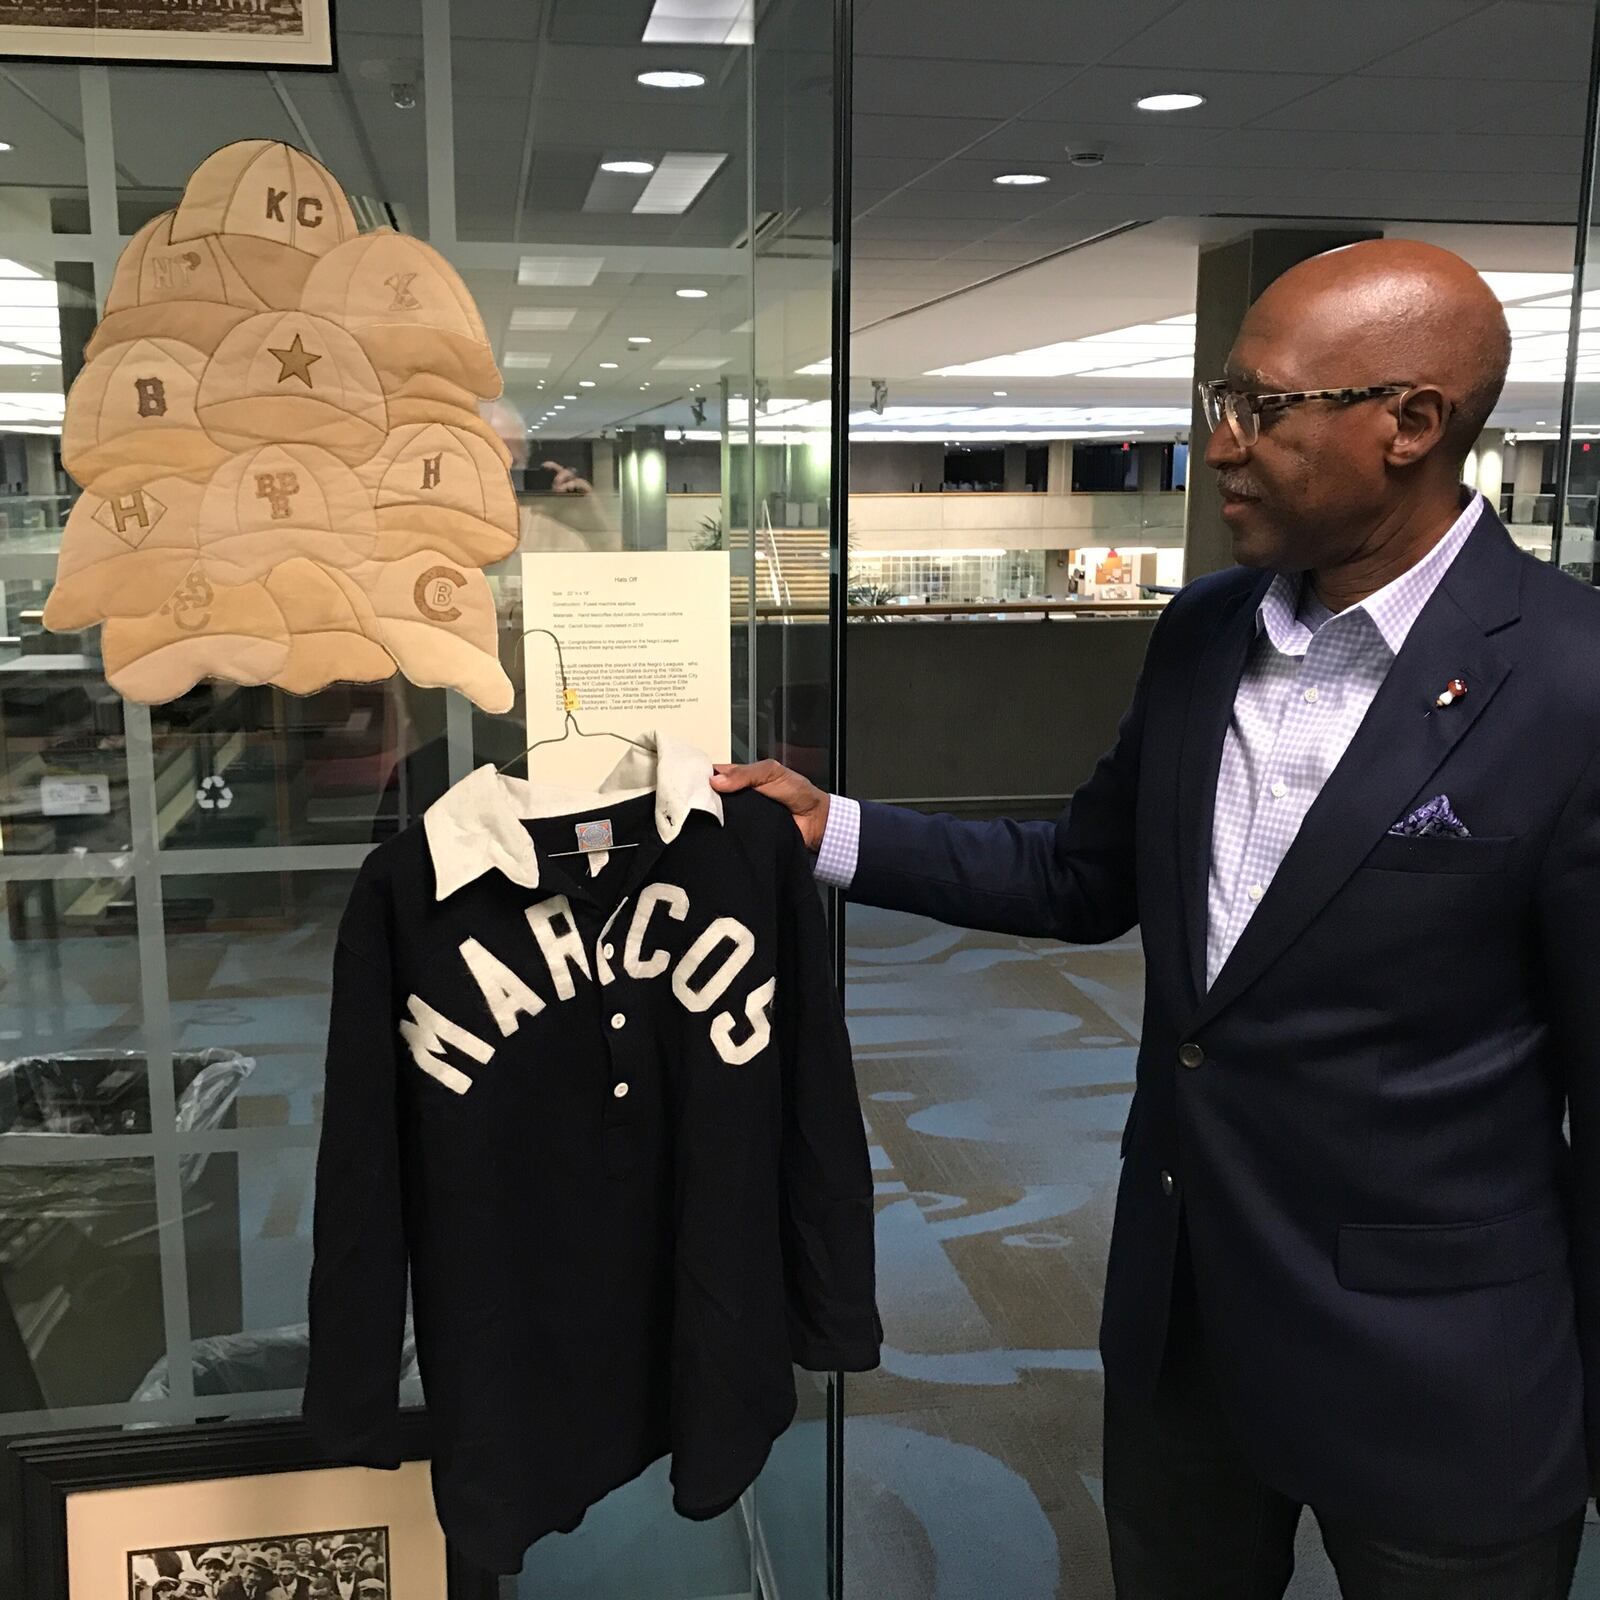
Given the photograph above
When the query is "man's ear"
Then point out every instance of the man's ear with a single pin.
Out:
(1421, 418)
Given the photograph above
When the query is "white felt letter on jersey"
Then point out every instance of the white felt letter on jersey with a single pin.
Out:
(724, 929)
(505, 994)
(756, 1009)
(427, 1033)
(562, 947)
(658, 894)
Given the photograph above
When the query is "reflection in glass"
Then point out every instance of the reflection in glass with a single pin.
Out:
(80, 1282)
(69, 967)
(249, 964)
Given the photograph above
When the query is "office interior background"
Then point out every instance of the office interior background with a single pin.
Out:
(898, 302)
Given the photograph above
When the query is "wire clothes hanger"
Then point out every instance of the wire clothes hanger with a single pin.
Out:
(569, 727)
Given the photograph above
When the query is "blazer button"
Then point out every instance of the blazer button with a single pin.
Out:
(1191, 1055)
(1169, 1184)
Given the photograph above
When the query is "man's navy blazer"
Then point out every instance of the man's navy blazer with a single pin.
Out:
(1396, 1248)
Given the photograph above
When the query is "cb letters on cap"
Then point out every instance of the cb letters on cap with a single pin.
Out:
(286, 476)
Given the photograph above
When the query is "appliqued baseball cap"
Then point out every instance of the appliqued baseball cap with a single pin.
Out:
(427, 397)
(436, 617)
(439, 486)
(284, 500)
(287, 377)
(131, 416)
(265, 189)
(333, 631)
(123, 555)
(408, 307)
(204, 630)
(186, 291)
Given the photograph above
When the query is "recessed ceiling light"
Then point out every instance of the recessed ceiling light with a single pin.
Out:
(569, 397)
(672, 80)
(637, 169)
(608, 366)
(1021, 180)
(693, 294)
(1170, 102)
(3, 147)
(644, 385)
(1000, 394)
(638, 338)
(586, 383)
(558, 408)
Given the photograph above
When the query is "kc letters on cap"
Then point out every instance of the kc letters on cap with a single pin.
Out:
(286, 478)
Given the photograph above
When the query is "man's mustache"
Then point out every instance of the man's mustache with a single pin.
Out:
(1238, 486)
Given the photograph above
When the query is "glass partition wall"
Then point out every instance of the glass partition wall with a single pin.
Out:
(642, 204)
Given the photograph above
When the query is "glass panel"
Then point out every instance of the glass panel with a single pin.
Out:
(249, 964)
(249, 1252)
(70, 988)
(42, 182)
(242, 767)
(81, 1314)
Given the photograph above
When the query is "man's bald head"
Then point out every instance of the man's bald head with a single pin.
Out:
(1390, 311)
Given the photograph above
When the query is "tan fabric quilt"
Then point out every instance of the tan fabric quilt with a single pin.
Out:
(286, 476)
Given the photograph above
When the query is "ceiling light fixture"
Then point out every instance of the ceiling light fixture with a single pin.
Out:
(1021, 180)
(3, 147)
(608, 366)
(702, 22)
(586, 383)
(569, 397)
(631, 169)
(678, 181)
(693, 294)
(638, 338)
(672, 80)
(1170, 102)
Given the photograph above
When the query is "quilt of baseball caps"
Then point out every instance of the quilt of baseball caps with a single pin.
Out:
(286, 476)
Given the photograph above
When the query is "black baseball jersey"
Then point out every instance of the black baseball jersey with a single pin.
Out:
(603, 1104)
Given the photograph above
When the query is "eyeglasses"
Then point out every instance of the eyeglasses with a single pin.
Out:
(1243, 411)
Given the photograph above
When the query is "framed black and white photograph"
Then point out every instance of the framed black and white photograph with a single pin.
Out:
(255, 33)
(226, 1511)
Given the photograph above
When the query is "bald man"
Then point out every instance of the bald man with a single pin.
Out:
(1355, 811)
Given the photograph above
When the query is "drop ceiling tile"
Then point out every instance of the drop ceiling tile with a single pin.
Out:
(1335, 38)
(889, 85)
(917, 137)
(1030, 30)
(1514, 39)
(1432, 106)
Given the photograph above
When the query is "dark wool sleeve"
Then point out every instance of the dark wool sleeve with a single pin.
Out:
(827, 1178)
(358, 1274)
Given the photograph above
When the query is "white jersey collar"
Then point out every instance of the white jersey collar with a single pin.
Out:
(478, 824)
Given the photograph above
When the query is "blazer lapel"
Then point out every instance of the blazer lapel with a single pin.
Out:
(1212, 692)
(1398, 747)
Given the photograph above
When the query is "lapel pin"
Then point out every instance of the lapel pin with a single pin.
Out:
(1455, 690)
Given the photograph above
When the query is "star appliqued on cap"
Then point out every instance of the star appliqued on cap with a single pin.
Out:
(295, 362)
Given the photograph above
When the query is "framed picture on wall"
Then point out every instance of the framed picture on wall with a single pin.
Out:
(226, 1511)
(237, 33)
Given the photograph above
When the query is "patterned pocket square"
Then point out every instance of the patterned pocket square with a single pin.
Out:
(1435, 820)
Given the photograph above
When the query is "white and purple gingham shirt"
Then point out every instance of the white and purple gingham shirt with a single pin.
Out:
(1307, 687)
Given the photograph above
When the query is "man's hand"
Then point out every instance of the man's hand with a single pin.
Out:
(806, 802)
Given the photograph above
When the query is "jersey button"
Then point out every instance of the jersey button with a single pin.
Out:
(1191, 1056)
(617, 1019)
(621, 1091)
(608, 951)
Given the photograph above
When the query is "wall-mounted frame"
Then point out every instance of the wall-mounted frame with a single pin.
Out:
(116, 1515)
(230, 33)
